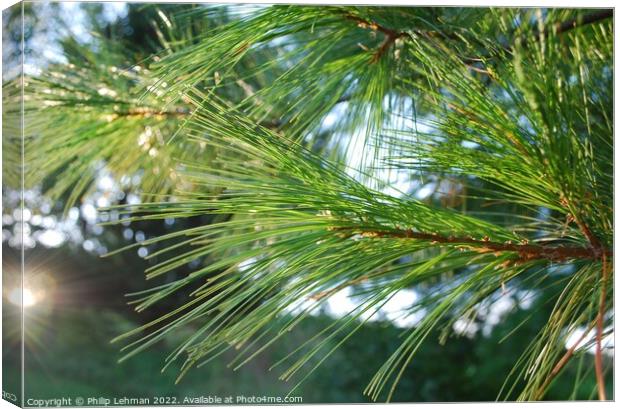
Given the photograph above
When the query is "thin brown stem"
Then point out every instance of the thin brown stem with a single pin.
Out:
(568, 25)
(599, 252)
(587, 232)
(363, 23)
(177, 113)
(562, 27)
(598, 358)
(385, 45)
(143, 112)
(390, 36)
(561, 364)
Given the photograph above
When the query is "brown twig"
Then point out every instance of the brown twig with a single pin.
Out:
(561, 363)
(144, 112)
(178, 113)
(390, 36)
(594, 241)
(598, 358)
(568, 25)
(599, 252)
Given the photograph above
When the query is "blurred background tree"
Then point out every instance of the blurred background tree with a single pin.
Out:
(127, 110)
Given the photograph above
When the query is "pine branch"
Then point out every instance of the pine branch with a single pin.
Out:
(283, 203)
(561, 28)
(525, 251)
(177, 113)
(390, 36)
(147, 112)
(572, 24)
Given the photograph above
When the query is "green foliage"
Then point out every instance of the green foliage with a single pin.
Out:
(95, 106)
(503, 106)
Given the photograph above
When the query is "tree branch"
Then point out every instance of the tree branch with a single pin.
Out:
(527, 252)
(568, 25)
(390, 36)
(524, 250)
(146, 112)
(143, 112)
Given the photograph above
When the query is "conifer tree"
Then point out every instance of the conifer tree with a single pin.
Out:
(462, 153)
